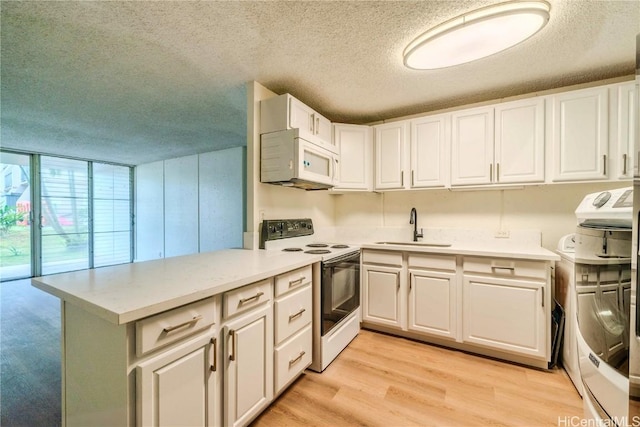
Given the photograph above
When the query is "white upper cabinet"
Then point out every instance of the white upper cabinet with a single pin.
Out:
(472, 146)
(390, 148)
(429, 154)
(627, 109)
(354, 171)
(519, 141)
(500, 144)
(286, 112)
(579, 132)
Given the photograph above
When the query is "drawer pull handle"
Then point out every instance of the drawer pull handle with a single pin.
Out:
(214, 343)
(293, 316)
(181, 325)
(232, 334)
(297, 359)
(495, 267)
(296, 282)
(256, 296)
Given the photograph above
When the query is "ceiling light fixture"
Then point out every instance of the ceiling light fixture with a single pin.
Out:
(476, 34)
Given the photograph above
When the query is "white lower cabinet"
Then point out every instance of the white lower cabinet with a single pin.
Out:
(504, 314)
(493, 306)
(179, 386)
(382, 295)
(248, 367)
(505, 306)
(293, 336)
(432, 303)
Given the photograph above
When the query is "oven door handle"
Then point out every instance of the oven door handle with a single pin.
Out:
(335, 261)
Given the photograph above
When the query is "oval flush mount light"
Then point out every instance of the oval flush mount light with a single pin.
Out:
(476, 34)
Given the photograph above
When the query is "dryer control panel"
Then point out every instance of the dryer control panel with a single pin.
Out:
(611, 208)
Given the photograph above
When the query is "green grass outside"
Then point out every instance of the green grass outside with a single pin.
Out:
(15, 246)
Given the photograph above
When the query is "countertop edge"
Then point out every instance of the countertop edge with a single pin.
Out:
(539, 254)
(140, 313)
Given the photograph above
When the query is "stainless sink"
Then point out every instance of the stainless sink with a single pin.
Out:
(424, 244)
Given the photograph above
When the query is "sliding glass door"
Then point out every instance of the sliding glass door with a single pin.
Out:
(111, 214)
(15, 216)
(64, 187)
(59, 214)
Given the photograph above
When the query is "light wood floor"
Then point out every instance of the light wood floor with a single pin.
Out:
(380, 380)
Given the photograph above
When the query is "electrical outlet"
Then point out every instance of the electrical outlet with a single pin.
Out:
(502, 234)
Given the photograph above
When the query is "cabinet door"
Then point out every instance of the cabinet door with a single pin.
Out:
(472, 147)
(390, 146)
(519, 141)
(381, 296)
(430, 139)
(322, 129)
(432, 303)
(505, 314)
(625, 130)
(248, 375)
(178, 387)
(355, 146)
(580, 135)
(300, 117)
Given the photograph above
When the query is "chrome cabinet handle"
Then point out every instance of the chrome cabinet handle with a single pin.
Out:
(214, 365)
(542, 296)
(181, 325)
(412, 180)
(256, 296)
(497, 172)
(311, 124)
(297, 359)
(604, 158)
(232, 334)
(624, 164)
(317, 126)
(402, 179)
(299, 313)
(491, 172)
(296, 282)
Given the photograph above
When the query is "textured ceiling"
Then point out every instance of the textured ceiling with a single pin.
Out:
(134, 82)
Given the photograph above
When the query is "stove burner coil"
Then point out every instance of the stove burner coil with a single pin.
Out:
(292, 249)
(318, 251)
(317, 245)
(340, 246)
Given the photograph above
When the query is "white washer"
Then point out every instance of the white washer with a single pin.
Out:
(565, 291)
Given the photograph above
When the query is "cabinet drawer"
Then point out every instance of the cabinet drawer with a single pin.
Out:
(438, 262)
(382, 257)
(293, 280)
(292, 312)
(247, 297)
(167, 327)
(292, 358)
(505, 267)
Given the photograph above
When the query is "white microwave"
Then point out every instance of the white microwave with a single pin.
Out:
(289, 160)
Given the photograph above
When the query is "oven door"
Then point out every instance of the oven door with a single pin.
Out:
(340, 289)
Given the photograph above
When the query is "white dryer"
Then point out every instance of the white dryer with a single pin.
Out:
(565, 294)
(602, 284)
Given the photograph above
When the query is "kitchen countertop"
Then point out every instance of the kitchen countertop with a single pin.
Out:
(128, 292)
(495, 248)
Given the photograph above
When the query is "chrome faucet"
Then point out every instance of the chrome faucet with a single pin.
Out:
(413, 219)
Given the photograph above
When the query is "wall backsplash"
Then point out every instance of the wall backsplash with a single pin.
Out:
(548, 208)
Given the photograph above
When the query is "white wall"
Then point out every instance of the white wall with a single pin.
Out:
(221, 199)
(190, 204)
(549, 209)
